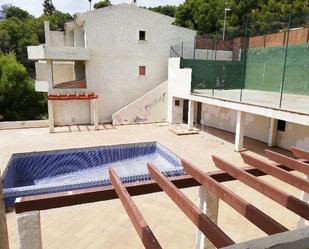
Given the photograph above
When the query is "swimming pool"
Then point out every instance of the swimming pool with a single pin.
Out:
(63, 170)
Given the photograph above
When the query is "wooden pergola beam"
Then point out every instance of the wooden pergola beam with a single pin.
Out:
(288, 161)
(274, 171)
(300, 153)
(250, 212)
(78, 197)
(206, 226)
(144, 232)
(288, 201)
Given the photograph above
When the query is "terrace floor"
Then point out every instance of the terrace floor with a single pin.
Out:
(106, 224)
(290, 102)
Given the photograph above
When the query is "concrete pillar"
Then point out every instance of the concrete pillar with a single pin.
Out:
(4, 239)
(305, 197)
(240, 128)
(47, 33)
(209, 204)
(29, 230)
(272, 135)
(191, 112)
(51, 120)
(95, 108)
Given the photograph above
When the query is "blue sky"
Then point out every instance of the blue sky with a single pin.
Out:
(34, 7)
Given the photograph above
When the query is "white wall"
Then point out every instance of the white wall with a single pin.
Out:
(116, 53)
(294, 135)
(152, 107)
(79, 112)
(256, 127)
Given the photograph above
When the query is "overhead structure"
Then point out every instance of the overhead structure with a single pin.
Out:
(279, 167)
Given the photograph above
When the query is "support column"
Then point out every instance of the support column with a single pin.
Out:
(95, 114)
(191, 114)
(305, 198)
(209, 204)
(272, 135)
(4, 239)
(240, 128)
(51, 120)
(29, 230)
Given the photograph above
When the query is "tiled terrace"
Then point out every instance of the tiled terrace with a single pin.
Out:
(106, 225)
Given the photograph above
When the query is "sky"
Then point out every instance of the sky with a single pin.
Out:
(34, 7)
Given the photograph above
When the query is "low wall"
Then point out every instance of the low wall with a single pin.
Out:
(150, 108)
(23, 124)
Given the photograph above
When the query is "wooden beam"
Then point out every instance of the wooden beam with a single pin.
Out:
(144, 232)
(288, 161)
(253, 214)
(290, 202)
(300, 152)
(274, 171)
(77, 197)
(206, 226)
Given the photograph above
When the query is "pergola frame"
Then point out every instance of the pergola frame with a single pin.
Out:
(279, 167)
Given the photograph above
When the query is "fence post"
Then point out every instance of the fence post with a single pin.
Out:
(285, 61)
(4, 239)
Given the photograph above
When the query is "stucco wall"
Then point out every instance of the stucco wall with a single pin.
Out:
(62, 71)
(72, 112)
(152, 107)
(218, 117)
(294, 135)
(116, 53)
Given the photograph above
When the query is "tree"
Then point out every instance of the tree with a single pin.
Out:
(14, 11)
(48, 7)
(168, 10)
(18, 99)
(102, 4)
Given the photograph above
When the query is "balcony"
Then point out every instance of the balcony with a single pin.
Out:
(43, 52)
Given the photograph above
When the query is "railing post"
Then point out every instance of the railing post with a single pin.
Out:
(208, 204)
(285, 61)
(4, 239)
(244, 59)
(29, 230)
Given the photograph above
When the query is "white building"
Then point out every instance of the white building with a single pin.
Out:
(119, 53)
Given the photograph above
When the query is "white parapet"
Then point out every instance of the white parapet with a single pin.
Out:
(29, 230)
(43, 52)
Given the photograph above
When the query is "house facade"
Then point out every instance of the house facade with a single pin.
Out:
(105, 60)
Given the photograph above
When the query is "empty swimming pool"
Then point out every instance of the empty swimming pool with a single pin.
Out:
(63, 170)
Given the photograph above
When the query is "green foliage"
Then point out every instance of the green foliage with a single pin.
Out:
(48, 7)
(16, 35)
(18, 100)
(168, 10)
(207, 16)
(102, 4)
(14, 11)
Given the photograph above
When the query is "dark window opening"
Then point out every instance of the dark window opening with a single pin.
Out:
(281, 125)
(177, 103)
(142, 70)
(142, 35)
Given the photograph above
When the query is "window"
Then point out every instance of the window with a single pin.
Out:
(142, 35)
(142, 70)
(281, 125)
(177, 102)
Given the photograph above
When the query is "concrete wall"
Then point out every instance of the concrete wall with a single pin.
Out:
(79, 112)
(116, 53)
(57, 39)
(150, 108)
(225, 119)
(62, 71)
